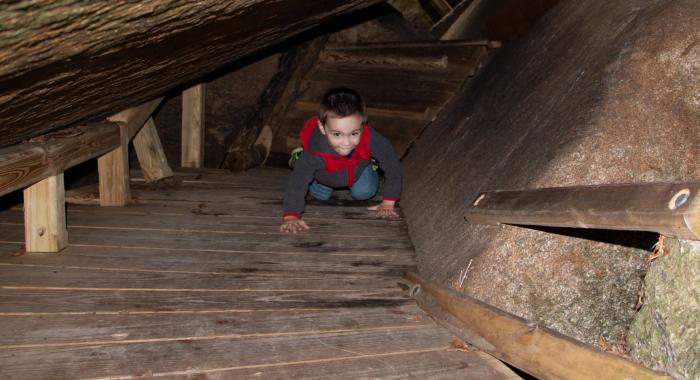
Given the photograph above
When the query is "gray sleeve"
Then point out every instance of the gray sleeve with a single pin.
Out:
(383, 151)
(298, 185)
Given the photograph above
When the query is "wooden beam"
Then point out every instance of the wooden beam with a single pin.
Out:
(135, 117)
(284, 89)
(27, 163)
(536, 350)
(670, 209)
(150, 153)
(45, 215)
(113, 171)
(193, 126)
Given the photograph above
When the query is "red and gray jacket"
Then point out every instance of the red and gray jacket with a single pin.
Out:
(320, 162)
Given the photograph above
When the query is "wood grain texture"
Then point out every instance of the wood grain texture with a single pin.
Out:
(136, 117)
(45, 216)
(532, 348)
(158, 45)
(670, 209)
(113, 171)
(193, 126)
(155, 289)
(149, 151)
(24, 164)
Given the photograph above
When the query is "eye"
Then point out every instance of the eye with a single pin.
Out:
(336, 134)
(356, 133)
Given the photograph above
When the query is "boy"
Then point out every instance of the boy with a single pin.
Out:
(338, 147)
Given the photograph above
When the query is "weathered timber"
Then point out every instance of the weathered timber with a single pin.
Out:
(527, 346)
(135, 117)
(134, 286)
(45, 216)
(158, 45)
(24, 164)
(113, 171)
(274, 104)
(150, 153)
(441, 27)
(193, 126)
(404, 84)
(670, 209)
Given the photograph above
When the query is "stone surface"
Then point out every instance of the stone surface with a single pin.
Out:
(598, 92)
(68, 60)
(665, 334)
(231, 98)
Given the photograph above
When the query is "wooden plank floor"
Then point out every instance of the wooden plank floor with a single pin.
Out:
(194, 281)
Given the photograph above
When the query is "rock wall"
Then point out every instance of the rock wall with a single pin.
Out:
(597, 92)
(665, 334)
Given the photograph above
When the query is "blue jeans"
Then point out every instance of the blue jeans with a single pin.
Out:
(364, 187)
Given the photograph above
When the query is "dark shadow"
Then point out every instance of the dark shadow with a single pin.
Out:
(633, 239)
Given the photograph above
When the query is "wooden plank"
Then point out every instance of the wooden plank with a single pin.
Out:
(150, 153)
(535, 349)
(44, 216)
(125, 258)
(95, 300)
(76, 330)
(183, 239)
(422, 364)
(670, 209)
(190, 356)
(193, 126)
(27, 163)
(135, 117)
(52, 277)
(224, 225)
(113, 171)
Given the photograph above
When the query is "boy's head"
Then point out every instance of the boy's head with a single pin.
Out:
(341, 117)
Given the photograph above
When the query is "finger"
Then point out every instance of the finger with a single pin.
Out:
(373, 208)
(304, 225)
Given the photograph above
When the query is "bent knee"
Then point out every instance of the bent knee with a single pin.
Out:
(363, 194)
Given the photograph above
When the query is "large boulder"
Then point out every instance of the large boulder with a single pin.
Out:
(598, 92)
(665, 334)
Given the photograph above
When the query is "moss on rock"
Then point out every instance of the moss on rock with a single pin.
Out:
(665, 335)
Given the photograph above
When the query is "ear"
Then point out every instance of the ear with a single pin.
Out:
(320, 127)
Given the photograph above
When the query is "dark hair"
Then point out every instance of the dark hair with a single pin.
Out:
(341, 102)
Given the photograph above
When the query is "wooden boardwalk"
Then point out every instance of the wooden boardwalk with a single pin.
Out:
(194, 281)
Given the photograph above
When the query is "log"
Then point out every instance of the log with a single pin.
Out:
(135, 52)
(536, 350)
(670, 209)
(113, 171)
(276, 102)
(150, 153)
(45, 215)
(193, 126)
(27, 163)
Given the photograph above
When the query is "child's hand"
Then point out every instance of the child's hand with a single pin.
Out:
(293, 225)
(385, 210)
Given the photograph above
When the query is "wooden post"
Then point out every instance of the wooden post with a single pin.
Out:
(536, 350)
(113, 170)
(193, 126)
(671, 209)
(45, 215)
(150, 154)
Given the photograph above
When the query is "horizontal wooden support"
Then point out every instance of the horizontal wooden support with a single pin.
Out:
(667, 208)
(136, 117)
(25, 164)
(536, 350)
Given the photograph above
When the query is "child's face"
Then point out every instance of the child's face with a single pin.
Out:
(343, 133)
